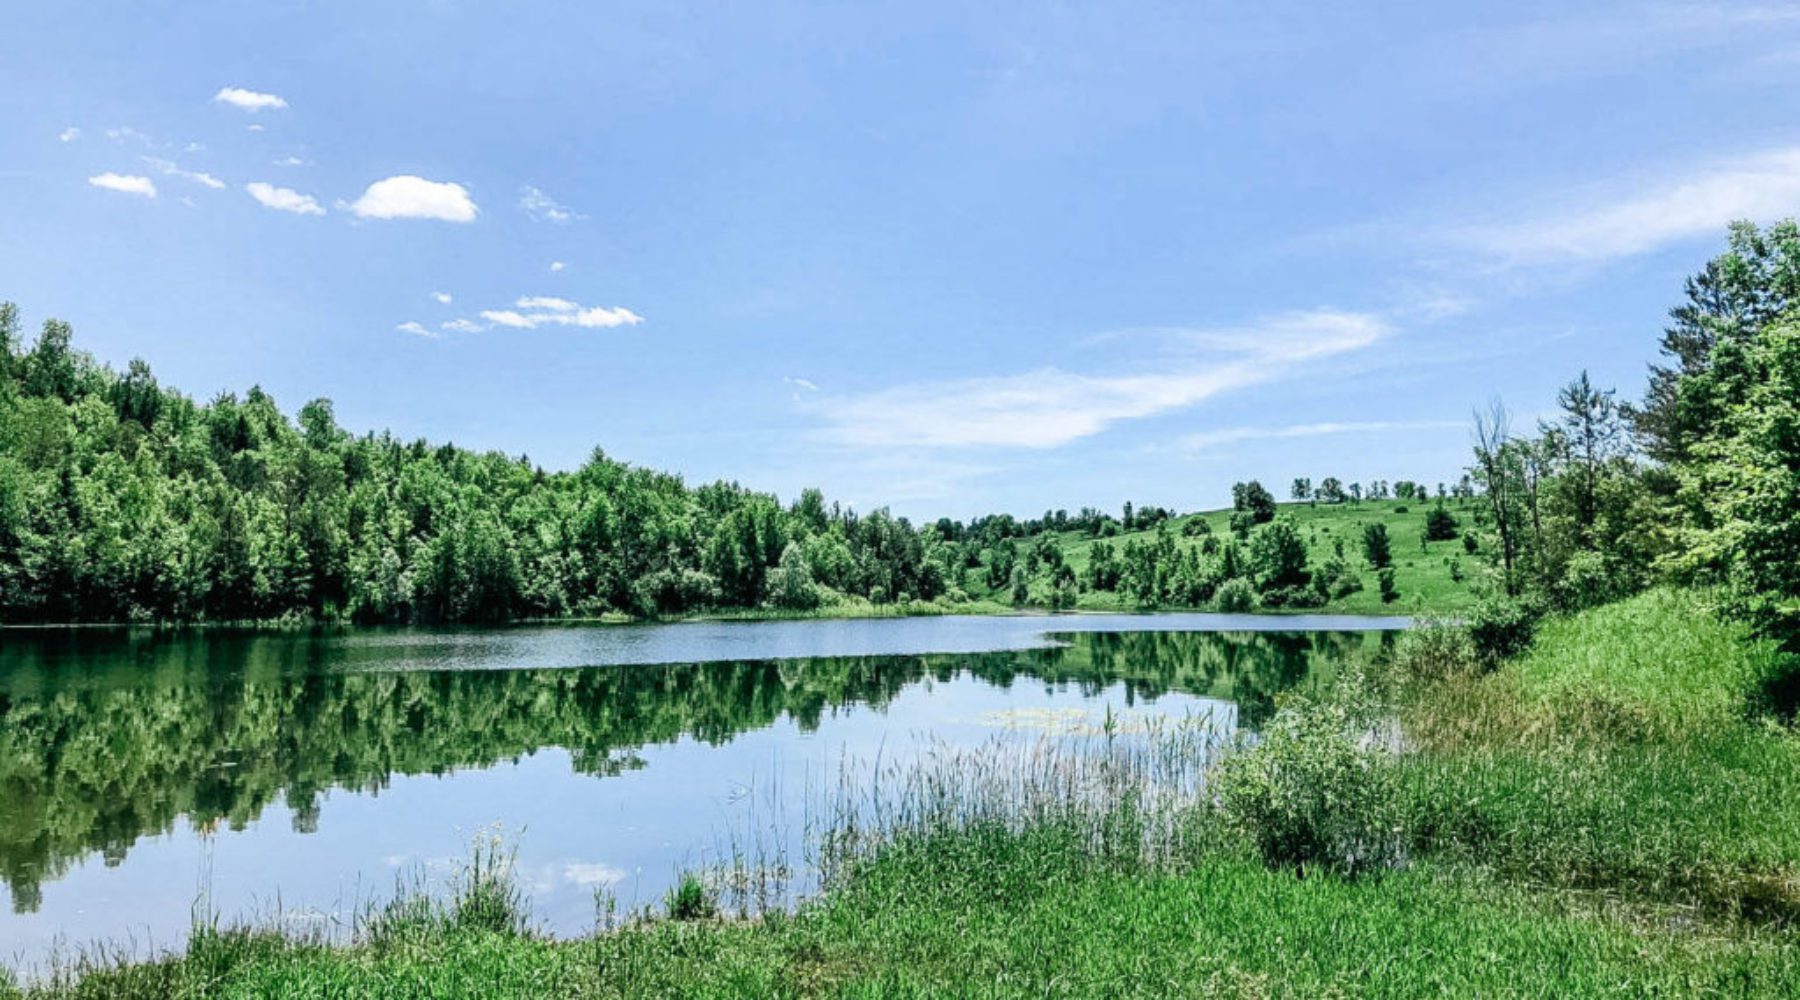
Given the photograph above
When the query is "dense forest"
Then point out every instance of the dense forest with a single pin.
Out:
(122, 500)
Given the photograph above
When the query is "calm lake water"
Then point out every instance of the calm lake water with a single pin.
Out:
(295, 776)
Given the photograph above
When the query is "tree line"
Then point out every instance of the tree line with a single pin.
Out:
(122, 499)
(1697, 483)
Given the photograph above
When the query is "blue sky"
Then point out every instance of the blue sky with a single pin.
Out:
(952, 258)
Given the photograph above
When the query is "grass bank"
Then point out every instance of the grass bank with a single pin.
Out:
(1613, 813)
(1429, 577)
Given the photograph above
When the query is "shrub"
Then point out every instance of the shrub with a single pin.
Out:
(1278, 557)
(1590, 579)
(1440, 524)
(1433, 649)
(1234, 596)
(1291, 597)
(1375, 545)
(1336, 579)
(1385, 579)
(691, 900)
(790, 584)
(1241, 523)
(1500, 628)
(1312, 793)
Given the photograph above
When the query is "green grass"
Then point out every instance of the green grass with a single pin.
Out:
(1626, 753)
(1613, 813)
(992, 912)
(1422, 576)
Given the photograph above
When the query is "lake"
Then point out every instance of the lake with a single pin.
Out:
(294, 776)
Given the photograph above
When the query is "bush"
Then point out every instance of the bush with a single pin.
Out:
(1440, 524)
(1336, 579)
(1311, 793)
(1235, 596)
(1432, 650)
(790, 584)
(691, 900)
(1500, 628)
(1590, 579)
(1278, 557)
(1375, 545)
(1385, 579)
(1291, 597)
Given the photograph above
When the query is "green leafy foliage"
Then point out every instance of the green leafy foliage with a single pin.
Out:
(121, 499)
(1314, 792)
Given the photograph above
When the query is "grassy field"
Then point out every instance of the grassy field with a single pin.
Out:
(1422, 572)
(1617, 812)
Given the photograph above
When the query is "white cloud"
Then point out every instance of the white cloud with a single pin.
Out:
(409, 197)
(69, 134)
(283, 199)
(170, 168)
(248, 100)
(461, 326)
(534, 311)
(544, 208)
(1697, 204)
(128, 183)
(444, 298)
(557, 265)
(254, 128)
(1237, 435)
(545, 302)
(1048, 407)
(124, 132)
(507, 317)
(415, 328)
(584, 873)
(291, 161)
(800, 386)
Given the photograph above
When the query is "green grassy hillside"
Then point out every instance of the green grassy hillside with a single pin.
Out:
(1423, 575)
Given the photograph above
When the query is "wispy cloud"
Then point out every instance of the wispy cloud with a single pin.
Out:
(544, 208)
(410, 197)
(127, 183)
(801, 386)
(584, 873)
(1049, 407)
(417, 329)
(125, 133)
(172, 169)
(292, 161)
(1611, 224)
(1237, 435)
(69, 134)
(545, 302)
(283, 199)
(248, 100)
(531, 312)
(543, 310)
(443, 298)
(557, 265)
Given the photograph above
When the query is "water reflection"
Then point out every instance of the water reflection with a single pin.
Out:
(100, 751)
